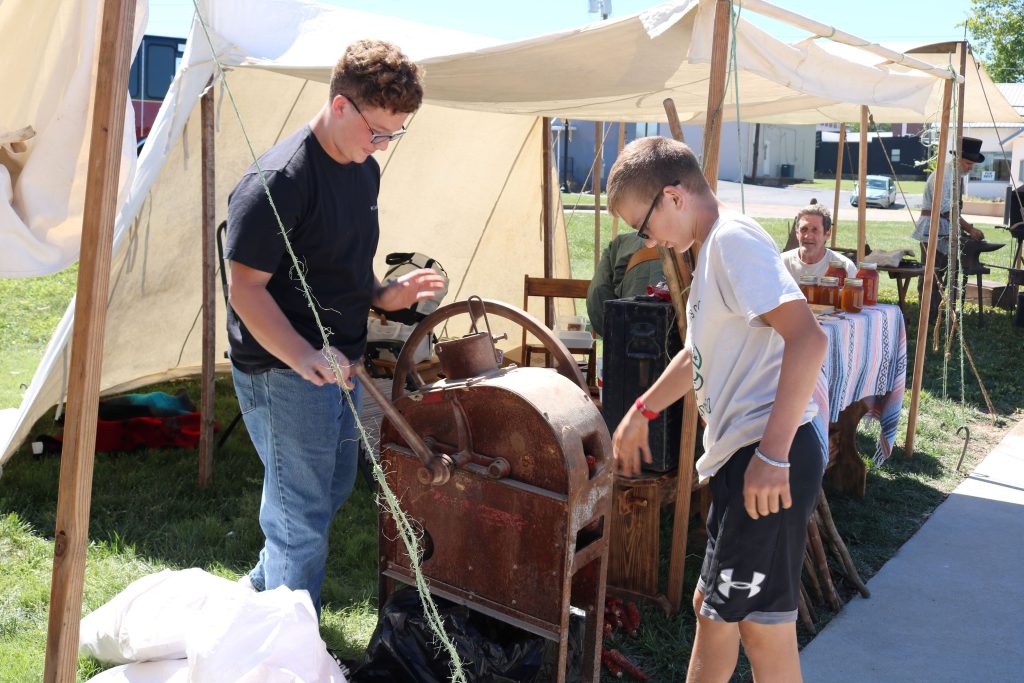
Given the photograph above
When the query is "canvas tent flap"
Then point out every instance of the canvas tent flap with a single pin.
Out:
(464, 186)
(49, 53)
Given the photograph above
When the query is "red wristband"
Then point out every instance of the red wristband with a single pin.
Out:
(649, 414)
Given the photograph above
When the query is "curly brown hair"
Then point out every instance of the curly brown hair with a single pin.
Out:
(377, 74)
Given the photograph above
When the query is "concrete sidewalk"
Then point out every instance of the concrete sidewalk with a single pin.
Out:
(949, 606)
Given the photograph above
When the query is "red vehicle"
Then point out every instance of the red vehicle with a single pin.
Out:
(151, 75)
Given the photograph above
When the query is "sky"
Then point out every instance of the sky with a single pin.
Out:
(918, 21)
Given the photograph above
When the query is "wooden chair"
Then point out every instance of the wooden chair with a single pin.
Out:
(557, 288)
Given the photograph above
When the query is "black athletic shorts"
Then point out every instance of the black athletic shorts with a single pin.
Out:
(752, 567)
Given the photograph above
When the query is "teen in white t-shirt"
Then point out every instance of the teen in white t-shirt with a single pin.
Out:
(753, 355)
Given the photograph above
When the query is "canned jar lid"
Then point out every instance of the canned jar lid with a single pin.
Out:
(808, 279)
(854, 281)
(829, 281)
(867, 265)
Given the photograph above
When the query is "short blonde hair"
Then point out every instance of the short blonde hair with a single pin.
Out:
(649, 164)
(377, 74)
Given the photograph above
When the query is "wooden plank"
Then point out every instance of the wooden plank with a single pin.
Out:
(862, 181)
(929, 276)
(839, 182)
(209, 275)
(74, 495)
(598, 167)
(556, 286)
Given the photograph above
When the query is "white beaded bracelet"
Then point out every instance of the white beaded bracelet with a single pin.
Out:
(774, 463)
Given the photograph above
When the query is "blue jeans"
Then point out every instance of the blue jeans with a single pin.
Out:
(306, 437)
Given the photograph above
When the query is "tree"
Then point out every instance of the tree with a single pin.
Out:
(996, 28)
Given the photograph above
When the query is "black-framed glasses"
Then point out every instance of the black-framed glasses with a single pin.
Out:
(641, 231)
(375, 137)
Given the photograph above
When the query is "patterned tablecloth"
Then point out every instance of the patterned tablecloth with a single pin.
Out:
(867, 359)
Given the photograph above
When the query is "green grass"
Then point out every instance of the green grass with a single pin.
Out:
(148, 513)
(32, 308)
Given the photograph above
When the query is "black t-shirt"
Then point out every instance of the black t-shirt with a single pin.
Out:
(330, 212)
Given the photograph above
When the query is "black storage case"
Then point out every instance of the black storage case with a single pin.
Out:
(640, 338)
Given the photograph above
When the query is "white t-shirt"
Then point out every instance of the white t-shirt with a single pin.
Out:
(796, 267)
(736, 355)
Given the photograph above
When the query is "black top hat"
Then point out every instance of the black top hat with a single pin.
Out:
(970, 149)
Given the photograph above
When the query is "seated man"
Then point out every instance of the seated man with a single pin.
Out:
(625, 270)
(813, 228)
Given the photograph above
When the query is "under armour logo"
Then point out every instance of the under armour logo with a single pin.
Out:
(726, 583)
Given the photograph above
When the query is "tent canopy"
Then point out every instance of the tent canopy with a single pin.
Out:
(465, 186)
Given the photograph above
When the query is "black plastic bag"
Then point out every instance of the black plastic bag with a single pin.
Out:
(403, 648)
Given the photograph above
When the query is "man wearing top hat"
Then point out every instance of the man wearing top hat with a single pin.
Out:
(970, 154)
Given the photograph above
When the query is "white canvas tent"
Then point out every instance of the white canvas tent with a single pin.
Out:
(463, 186)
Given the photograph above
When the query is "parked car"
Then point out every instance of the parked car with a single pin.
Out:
(881, 191)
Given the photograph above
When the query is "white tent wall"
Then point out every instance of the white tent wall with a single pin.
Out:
(48, 49)
(464, 187)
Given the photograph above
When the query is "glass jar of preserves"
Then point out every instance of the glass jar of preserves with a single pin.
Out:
(809, 286)
(828, 291)
(853, 295)
(869, 274)
(837, 269)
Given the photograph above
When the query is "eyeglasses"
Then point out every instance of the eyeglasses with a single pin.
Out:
(375, 138)
(641, 231)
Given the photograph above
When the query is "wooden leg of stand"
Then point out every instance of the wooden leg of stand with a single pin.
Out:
(828, 528)
(821, 561)
(812, 576)
(848, 472)
(803, 610)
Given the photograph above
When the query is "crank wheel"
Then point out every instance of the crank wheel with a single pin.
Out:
(405, 367)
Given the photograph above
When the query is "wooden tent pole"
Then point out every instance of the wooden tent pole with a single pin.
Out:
(839, 182)
(598, 168)
(547, 215)
(716, 94)
(688, 435)
(954, 230)
(862, 181)
(74, 493)
(618, 151)
(209, 274)
(929, 273)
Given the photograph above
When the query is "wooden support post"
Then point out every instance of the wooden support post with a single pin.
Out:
(952, 275)
(74, 494)
(622, 143)
(688, 435)
(929, 274)
(598, 167)
(862, 182)
(547, 217)
(209, 274)
(716, 93)
(839, 182)
(673, 119)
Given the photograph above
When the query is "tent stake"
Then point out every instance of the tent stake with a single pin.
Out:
(839, 182)
(929, 274)
(74, 494)
(206, 400)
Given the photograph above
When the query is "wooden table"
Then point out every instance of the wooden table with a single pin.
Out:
(864, 374)
(902, 275)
